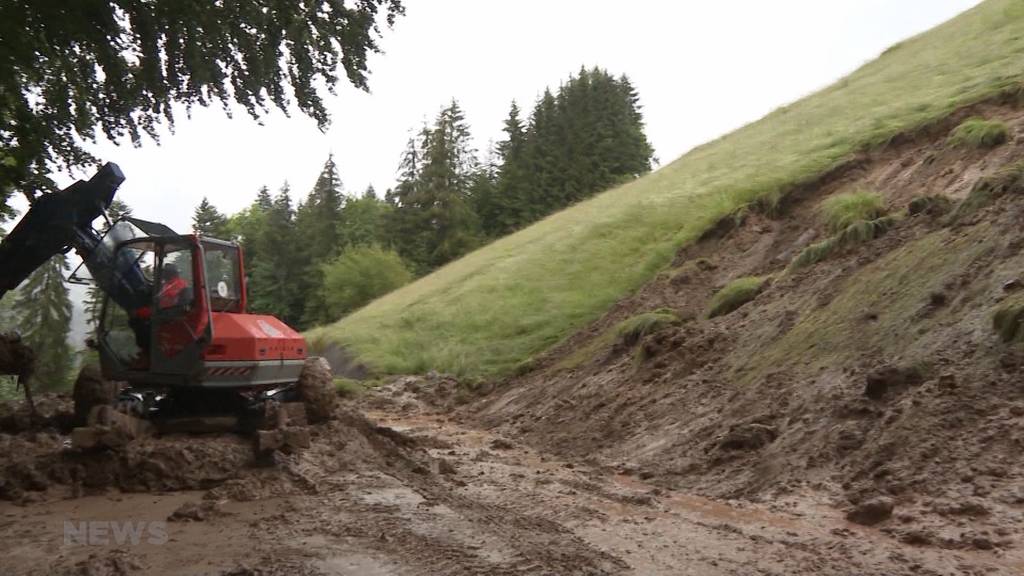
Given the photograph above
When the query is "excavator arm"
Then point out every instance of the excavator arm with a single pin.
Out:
(62, 221)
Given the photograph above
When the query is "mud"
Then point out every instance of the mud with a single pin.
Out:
(872, 376)
(410, 491)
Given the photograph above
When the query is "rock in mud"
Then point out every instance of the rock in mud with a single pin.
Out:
(888, 379)
(748, 437)
(316, 388)
(196, 511)
(92, 390)
(872, 511)
(501, 444)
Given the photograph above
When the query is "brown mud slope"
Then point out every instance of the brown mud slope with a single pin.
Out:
(872, 381)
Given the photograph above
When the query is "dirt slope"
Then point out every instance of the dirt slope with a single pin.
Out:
(875, 374)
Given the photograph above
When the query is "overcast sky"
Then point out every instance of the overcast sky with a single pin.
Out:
(702, 69)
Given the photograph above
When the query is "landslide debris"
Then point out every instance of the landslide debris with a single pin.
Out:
(885, 377)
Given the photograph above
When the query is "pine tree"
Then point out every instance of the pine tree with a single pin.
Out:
(275, 273)
(319, 218)
(44, 318)
(208, 221)
(435, 222)
(363, 221)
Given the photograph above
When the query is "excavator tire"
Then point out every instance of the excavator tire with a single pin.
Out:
(316, 390)
(92, 390)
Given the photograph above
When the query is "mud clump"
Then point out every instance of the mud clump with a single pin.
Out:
(890, 379)
(53, 412)
(872, 511)
(196, 511)
(748, 437)
(316, 388)
(92, 390)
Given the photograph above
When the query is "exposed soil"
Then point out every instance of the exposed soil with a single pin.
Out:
(871, 383)
(410, 491)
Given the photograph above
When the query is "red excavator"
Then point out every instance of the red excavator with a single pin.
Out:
(174, 326)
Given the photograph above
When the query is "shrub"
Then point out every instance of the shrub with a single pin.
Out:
(1008, 320)
(360, 275)
(735, 294)
(842, 210)
(632, 330)
(853, 235)
(979, 133)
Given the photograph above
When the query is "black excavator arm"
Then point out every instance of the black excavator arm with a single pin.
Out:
(62, 221)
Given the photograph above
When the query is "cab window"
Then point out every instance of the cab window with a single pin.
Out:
(223, 276)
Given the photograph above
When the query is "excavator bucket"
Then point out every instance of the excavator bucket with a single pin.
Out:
(57, 223)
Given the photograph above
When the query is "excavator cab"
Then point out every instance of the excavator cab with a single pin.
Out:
(161, 340)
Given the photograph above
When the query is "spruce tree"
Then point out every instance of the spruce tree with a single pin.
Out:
(208, 221)
(276, 273)
(44, 319)
(363, 221)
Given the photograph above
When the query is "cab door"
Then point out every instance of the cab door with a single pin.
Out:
(181, 327)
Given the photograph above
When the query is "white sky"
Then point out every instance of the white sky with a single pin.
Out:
(702, 69)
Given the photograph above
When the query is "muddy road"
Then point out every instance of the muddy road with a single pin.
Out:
(415, 492)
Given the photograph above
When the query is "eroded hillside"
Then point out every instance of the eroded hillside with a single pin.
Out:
(870, 371)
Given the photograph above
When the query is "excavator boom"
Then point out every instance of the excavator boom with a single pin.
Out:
(57, 223)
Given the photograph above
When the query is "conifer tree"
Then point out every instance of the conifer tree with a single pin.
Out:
(44, 319)
(208, 221)
(363, 221)
(318, 219)
(435, 221)
(275, 272)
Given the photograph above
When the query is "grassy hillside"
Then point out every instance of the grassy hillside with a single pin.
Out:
(488, 312)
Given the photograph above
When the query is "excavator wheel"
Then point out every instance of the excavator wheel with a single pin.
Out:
(92, 390)
(316, 390)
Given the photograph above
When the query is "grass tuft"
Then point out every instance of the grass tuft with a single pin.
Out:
(632, 330)
(347, 387)
(735, 294)
(844, 210)
(979, 133)
(990, 188)
(1008, 320)
(853, 235)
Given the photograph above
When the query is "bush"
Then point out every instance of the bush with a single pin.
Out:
(979, 133)
(843, 210)
(1008, 320)
(735, 294)
(632, 330)
(360, 275)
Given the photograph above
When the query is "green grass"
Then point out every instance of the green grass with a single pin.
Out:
(735, 294)
(631, 330)
(485, 313)
(844, 210)
(1008, 320)
(990, 188)
(853, 235)
(980, 133)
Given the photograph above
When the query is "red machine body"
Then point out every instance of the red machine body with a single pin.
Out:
(194, 330)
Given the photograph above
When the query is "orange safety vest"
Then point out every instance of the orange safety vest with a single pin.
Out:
(170, 292)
